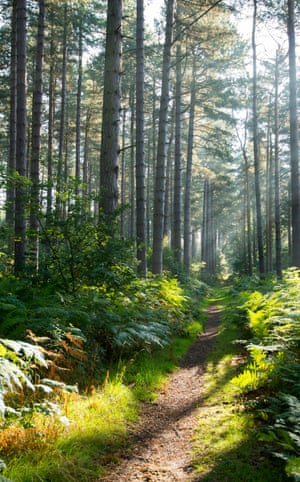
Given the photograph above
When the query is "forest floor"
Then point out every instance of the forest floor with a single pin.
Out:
(159, 448)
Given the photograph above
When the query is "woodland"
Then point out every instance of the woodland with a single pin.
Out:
(149, 168)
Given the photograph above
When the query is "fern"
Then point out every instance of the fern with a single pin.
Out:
(29, 351)
(274, 319)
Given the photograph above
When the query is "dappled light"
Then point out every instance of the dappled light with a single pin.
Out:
(149, 241)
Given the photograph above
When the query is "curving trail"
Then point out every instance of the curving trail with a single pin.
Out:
(161, 442)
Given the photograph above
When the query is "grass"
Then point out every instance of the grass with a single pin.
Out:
(98, 423)
(226, 448)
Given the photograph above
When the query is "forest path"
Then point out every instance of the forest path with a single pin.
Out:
(161, 441)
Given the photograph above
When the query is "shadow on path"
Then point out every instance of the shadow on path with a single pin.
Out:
(158, 448)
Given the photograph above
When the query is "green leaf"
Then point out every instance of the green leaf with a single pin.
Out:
(293, 468)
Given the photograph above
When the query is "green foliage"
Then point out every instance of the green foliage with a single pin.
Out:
(20, 364)
(226, 441)
(273, 318)
(98, 421)
(86, 313)
(84, 331)
(80, 250)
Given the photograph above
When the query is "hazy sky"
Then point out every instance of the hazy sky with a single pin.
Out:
(152, 10)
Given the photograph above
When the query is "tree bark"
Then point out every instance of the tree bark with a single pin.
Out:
(78, 108)
(109, 160)
(36, 137)
(277, 174)
(177, 194)
(21, 159)
(259, 230)
(10, 189)
(51, 104)
(294, 142)
(140, 156)
(187, 255)
(160, 176)
(62, 127)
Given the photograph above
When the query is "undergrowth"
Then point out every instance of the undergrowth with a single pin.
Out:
(117, 346)
(270, 381)
(95, 426)
(225, 444)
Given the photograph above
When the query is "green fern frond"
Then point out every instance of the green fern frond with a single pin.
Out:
(61, 385)
(11, 376)
(31, 352)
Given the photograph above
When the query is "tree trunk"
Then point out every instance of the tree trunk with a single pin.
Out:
(177, 194)
(256, 152)
(160, 176)
(21, 160)
(140, 157)
(78, 109)
(169, 195)
(51, 103)
(123, 174)
(294, 142)
(36, 137)
(109, 160)
(208, 230)
(10, 189)
(131, 171)
(62, 127)
(277, 175)
(269, 196)
(188, 177)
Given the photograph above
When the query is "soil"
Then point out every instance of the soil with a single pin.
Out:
(159, 446)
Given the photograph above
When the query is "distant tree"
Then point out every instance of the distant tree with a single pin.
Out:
(51, 109)
(208, 248)
(62, 122)
(36, 135)
(160, 175)
(188, 176)
(277, 170)
(78, 100)
(140, 155)
(177, 193)
(247, 232)
(259, 229)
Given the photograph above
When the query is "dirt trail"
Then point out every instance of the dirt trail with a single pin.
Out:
(161, 441)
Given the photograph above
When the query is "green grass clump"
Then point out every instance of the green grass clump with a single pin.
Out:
(97, 426)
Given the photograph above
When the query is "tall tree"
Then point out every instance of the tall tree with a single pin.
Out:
(294, 141)
(259, 229)
(160, 175)
(21, 140)
(78, 102)
(36, 135)
(109, 159)
(62, 125)
(10, 191)
(188, 177)
(140, 157)
(51, 109)
(277, 170)
(177, 194)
